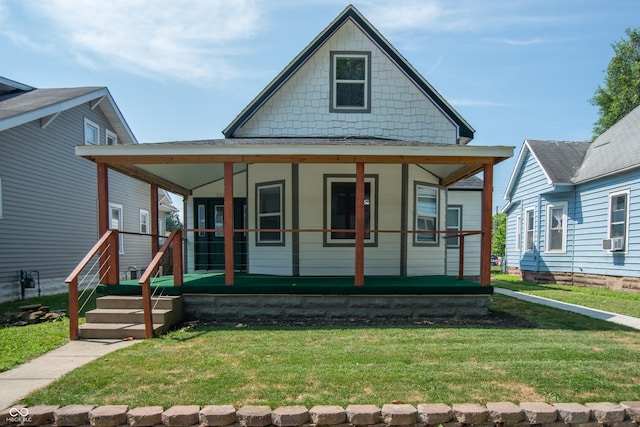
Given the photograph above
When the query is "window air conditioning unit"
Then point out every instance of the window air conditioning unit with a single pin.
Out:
(613, 244)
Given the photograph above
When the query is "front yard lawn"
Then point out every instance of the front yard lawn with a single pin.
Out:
(564, 357)
(619, 302)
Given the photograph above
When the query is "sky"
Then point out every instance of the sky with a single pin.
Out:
(183, 70)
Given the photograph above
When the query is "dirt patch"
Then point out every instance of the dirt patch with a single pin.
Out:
(492, 320)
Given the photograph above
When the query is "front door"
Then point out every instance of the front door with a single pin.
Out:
(209, 246)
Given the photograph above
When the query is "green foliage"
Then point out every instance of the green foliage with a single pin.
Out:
(499, 240)
(621, 91)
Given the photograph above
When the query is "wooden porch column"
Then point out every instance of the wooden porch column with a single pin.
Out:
(228, 224)
(106, 264)
(103, 199)
(155, 244)
(487, 226)
(359, 267)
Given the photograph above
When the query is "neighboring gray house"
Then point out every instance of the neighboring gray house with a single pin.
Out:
(573, 208)
(48, 217)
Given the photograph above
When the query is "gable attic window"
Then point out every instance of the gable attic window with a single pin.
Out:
(350, 76)
(91, 133)
(112, 138)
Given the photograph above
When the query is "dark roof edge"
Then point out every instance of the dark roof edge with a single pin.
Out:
(465, 130)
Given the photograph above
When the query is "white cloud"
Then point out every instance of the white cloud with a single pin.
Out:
(191, 40)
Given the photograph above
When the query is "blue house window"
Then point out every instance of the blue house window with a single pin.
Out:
(529, 228)
(350, 82)
(619, 217)
(556, 227)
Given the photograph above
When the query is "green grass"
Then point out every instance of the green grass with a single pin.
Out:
(19, 344)
(626, 303)
(565, 358)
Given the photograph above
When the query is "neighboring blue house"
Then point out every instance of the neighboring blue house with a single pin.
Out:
(573, 210)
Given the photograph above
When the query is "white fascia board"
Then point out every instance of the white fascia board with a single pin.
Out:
(285, 149)
(50, 110)
(121, 118)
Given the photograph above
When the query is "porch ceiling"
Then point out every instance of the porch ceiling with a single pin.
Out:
(185, 165)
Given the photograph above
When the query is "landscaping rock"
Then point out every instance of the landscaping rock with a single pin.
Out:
(72, 415)
(470, 413)
(539, 412)
(399, 414)
(607, 413)
(254, 416)
(505, 413)
(573, 413)
(217, 415)
(327, 415)
(108, 416)
(40, 415)
(289, 416)
(145, 416)
(434, 413)
(363, 415)
(633, 410)
(181, 416)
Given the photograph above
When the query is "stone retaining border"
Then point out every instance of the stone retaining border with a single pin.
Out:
(539, 414)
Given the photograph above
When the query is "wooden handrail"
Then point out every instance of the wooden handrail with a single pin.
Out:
(145, 280)
(109, 237)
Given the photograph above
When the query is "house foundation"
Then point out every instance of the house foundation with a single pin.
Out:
(616, 283)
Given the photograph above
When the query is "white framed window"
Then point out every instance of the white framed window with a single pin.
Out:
(112, 138)
(518, 232)
(619, 216)
(270, 213)
(454, 223)
(91, 133)
(144, 222)
(116, 222)
(529, 228)
(426, 214)
(350, 82)
(340, 209)
(556, 227)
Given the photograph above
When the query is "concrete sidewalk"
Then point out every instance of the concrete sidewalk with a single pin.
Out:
(19, 382)
(632, 322)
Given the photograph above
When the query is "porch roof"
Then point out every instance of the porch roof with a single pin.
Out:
(182, 166)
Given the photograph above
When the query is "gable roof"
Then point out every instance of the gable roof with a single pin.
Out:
(20, 104)
(616, 150)
(559, 161)
(466, 132)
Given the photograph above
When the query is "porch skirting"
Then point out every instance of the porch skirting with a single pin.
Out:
(235, 307)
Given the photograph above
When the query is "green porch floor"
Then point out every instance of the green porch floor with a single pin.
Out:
(213, 283)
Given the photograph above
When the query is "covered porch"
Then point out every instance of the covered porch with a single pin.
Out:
(185, 167)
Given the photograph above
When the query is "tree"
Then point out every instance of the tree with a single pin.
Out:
(621, 91)
(499, 240)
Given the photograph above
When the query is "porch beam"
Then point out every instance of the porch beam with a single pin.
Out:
(295, 158)
(360, 217)
(228, 224)
(487, 225)
(463, 173)
(134, 172)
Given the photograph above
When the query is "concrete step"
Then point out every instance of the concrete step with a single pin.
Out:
(116, 330)
(134, 301)
(122, 316)
(126, 315)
